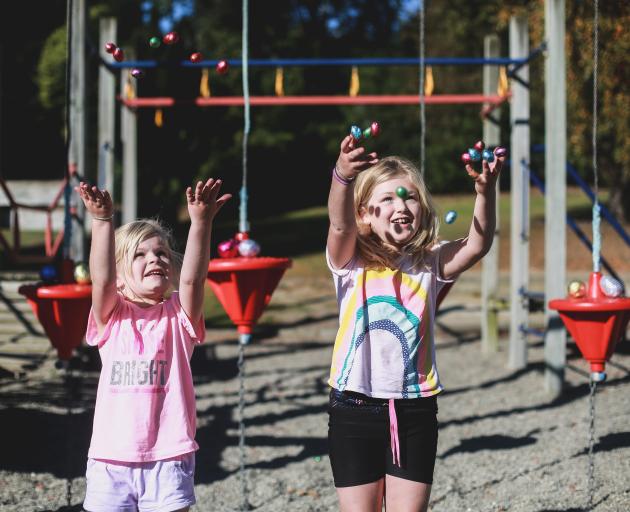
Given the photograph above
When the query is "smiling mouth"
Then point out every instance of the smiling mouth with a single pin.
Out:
(155, 273)
(401, 221)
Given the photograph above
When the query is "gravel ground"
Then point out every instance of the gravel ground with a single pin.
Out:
(504, 445)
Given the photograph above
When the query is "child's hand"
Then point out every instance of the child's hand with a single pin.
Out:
(203, 204)
(486, 180)
(353, 160)
(97, 202)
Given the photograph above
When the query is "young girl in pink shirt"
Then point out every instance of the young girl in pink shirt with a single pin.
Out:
(389, 270)
(146, 317)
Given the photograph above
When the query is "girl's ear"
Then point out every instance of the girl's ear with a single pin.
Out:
(363, 213)
(364, 227)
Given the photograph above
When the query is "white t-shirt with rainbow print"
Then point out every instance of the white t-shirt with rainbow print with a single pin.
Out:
(385, 344)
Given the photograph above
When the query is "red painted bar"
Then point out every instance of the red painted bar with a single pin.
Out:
(231, 101)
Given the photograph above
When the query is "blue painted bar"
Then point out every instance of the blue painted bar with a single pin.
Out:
(603, 210)
(539, 148)
(576, 229)
(376, 61)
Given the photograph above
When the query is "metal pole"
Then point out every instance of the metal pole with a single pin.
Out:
(519, 224)
(490, 262)
(106, 110)
(555, 198)
(77, 133)
(129, 136)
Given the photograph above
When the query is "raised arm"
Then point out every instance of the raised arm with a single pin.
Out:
(203, 205)
(460, 255)
(98, 204)
(342, 233)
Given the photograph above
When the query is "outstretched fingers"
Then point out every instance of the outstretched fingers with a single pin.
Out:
(471, 172)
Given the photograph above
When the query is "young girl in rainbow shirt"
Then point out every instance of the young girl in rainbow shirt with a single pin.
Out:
(142, 453)
(389, 268)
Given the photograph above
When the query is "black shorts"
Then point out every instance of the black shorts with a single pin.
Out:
(359, 442)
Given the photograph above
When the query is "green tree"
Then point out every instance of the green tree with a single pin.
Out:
(613, 135)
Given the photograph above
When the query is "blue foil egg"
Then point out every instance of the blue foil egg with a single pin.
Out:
(356, 132)
(450, 216)
(488, 155)
(475, 155)
(48, 273)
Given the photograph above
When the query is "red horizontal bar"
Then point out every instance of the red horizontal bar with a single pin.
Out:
(229, 101)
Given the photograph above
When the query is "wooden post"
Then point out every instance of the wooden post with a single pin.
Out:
(555, 198)
(490, 263)
(128, 134)
(106, 110)
(519, 225)
(77, 143)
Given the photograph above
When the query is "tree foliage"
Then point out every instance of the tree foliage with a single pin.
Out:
(613, 120)
(291, 149)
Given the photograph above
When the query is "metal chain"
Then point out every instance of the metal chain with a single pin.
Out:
(597, 238)
(243, 221)
(241, 425)
(70, 388)
(595, 79)
(423, 120)
(591, 443)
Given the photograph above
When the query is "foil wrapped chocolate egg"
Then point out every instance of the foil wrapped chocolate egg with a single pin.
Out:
(171, 38)
(48, 273)
(119, 55)
(611, 287)
(248, 248)
(228, 249)
(402, 192)
(487, 155)
(450, 217)
(356, 132)
(222, 67)
(474, 154)
(480, 145)
(375, 129)
(576, 289)
(82, 273)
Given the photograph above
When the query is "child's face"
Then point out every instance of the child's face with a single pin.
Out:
(150, 270)
(394, 219)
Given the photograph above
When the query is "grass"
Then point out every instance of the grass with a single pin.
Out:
(301, 234)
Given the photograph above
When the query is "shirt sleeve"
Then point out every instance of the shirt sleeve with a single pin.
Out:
(345, 270)
(197, 333)
(436, 253)
(91, 335)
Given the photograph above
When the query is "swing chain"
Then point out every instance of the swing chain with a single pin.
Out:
(67, 377)
(241, 425)
(591, 443)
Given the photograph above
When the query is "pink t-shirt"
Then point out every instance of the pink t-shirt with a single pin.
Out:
(145, 404)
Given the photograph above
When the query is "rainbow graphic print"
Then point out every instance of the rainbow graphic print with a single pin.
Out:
(384, 347)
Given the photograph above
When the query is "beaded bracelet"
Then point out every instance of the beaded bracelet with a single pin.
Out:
(341, 178)
(103, 218)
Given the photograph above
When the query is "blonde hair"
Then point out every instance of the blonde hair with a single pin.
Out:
(370, 248)
(127, 238)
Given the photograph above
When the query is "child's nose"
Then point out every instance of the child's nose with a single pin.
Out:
(401, 204)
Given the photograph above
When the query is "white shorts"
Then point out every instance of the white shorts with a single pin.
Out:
(157, 486)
